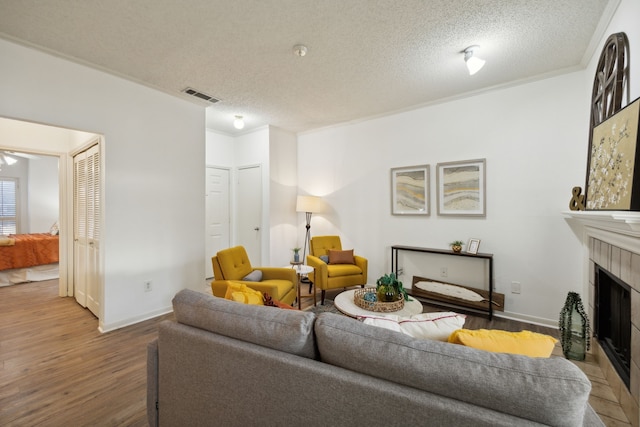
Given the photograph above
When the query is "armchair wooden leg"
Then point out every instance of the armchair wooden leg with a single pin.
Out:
(310, 286)
(322, 297)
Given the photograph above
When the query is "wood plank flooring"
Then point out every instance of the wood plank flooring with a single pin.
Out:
(57, 369)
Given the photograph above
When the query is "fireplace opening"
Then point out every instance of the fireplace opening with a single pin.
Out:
(613, 320)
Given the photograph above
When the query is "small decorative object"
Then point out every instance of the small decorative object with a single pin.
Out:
(461, 188)
(472, 246)
(456, 245)
(296, 254)
(574, 328)
(410, 190)
(389, 288)
(367, 299)
(577, 200)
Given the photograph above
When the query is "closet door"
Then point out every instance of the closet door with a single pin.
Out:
(86, 209)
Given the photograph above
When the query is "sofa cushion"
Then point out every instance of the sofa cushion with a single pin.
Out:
(549, 391)
(254, 276)
(432, 326)
(290, 331)
(341, 257)
(524, 342)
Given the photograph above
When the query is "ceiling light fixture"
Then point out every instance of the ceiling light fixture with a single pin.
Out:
(7, 160)
(474, 64)
(238, 123)
(300, 50)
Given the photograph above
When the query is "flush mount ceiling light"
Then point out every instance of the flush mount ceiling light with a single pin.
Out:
(474, 64)
(238, 123)
(6, 160)
(300, 50)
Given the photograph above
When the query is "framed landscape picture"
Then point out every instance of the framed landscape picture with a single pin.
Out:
(410, 190)
(461, 188)
(612, 180)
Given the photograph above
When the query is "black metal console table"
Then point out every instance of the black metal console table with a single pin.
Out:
(450, 302)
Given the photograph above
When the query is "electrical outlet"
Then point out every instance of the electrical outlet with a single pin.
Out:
(444, 272)
(516, 288)
(147, 286)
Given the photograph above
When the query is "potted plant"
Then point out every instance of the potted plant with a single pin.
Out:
(296, 254)
(389, 288)
(456, 245)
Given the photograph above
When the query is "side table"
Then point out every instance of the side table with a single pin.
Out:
(302, 270)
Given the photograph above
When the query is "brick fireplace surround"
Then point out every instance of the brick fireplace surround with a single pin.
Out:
(612, 241)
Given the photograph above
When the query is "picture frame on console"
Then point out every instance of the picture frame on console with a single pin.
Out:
(410, 190)
(612, 181)
(473, 246)
(461, 188)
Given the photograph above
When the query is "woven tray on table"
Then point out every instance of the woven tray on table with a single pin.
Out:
(377, 306)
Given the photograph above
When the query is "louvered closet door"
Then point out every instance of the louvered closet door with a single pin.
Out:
(86, 210)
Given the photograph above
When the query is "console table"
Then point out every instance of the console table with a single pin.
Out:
(485, 308)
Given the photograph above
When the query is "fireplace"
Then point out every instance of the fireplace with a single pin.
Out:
(612, 326)
(612, 243)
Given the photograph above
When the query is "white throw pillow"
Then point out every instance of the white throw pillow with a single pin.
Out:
(432, 326)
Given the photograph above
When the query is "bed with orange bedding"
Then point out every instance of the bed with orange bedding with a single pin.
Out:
(28, 250)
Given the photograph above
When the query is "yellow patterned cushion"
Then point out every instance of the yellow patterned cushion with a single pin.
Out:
(240, 292)
(524, 342)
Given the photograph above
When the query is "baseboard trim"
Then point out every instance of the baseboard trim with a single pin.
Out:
(132, 321)
(540, 321)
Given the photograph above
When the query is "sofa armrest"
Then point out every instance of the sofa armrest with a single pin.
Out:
(219, 287)
(152, 383)
(320, 273)
(363, 264)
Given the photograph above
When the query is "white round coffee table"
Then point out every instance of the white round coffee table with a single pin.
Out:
(344, 302)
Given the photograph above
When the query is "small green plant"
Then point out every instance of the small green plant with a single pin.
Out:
(390, 281)
(296, 250)
(456, 243)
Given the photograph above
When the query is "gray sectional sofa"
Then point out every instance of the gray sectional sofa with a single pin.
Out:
(227, 364)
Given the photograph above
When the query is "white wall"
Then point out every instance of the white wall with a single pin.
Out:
(154, 173)
(44, 194)
(284, 186)
(534, 140)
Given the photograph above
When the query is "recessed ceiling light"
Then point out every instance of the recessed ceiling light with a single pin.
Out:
(238, 123)
(300, 50)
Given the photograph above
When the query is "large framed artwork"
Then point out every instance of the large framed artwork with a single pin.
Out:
(410, 190)
(612, 180)
(461, 188)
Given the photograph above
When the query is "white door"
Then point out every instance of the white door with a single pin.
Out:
(87, 210)
(249, 212)
(217, 208)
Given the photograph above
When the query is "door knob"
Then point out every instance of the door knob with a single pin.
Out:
(257, 229)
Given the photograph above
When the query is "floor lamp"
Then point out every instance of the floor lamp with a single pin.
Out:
(308, 205)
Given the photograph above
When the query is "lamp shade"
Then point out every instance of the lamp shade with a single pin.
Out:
(308, 204)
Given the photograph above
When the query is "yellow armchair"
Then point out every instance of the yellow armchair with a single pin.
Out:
(332, 276)
(233, 265)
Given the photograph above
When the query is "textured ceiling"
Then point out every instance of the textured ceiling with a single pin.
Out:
(365, 57)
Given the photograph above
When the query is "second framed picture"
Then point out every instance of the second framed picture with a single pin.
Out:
(410, 190)
(461, 188)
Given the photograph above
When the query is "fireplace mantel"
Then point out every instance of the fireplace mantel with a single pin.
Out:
(621, 222)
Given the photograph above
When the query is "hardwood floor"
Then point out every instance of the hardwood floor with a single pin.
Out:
(57, 369)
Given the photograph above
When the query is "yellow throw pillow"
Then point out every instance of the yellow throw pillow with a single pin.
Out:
(524, 342)
(240, 292)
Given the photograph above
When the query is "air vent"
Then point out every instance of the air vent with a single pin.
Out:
(197, 94)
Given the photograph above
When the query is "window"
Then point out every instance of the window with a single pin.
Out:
(8, 205)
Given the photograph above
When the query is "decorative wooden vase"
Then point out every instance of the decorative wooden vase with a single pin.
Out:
(456, 248)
